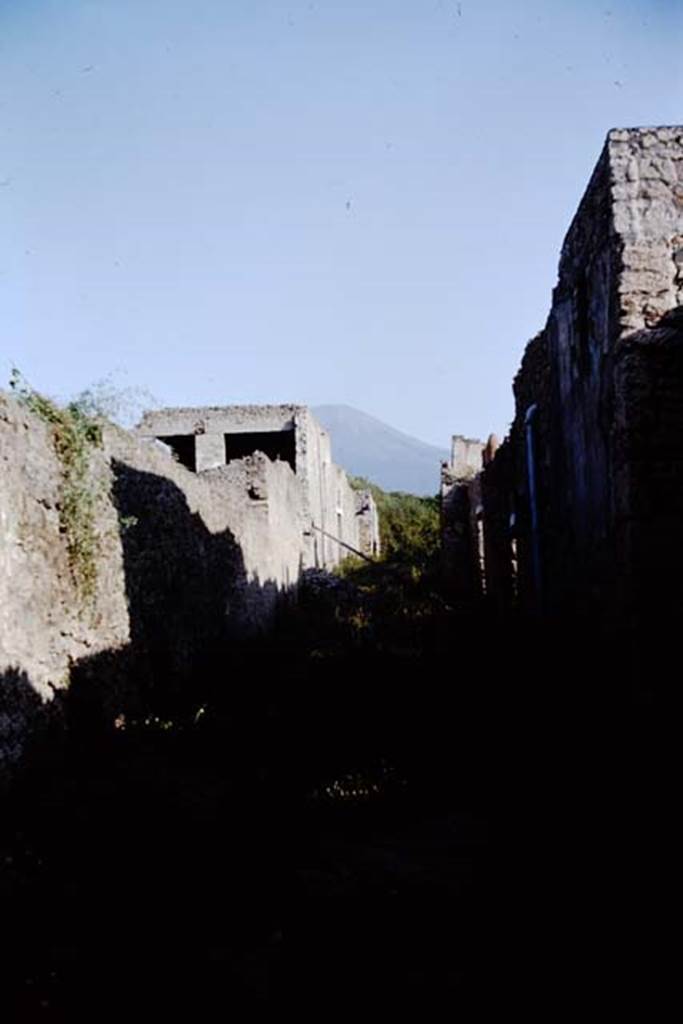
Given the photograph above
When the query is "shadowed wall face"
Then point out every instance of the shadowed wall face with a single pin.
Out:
(461, 536)
(595, 371)
(184, 563)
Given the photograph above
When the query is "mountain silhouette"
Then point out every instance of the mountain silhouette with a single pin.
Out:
(367, 447)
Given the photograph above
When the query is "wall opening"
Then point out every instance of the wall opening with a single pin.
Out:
(183, 448)
(276, 444)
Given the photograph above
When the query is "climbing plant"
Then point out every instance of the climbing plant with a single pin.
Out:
(74, 435)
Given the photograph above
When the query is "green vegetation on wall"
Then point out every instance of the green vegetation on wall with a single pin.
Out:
(74, 435)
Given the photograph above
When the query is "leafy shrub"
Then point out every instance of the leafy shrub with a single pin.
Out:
(409, 525)
(74, 434)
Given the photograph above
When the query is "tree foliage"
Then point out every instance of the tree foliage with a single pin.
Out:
(409, 524)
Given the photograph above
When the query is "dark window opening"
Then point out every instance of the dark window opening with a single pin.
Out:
(183, 448)
(276, 444)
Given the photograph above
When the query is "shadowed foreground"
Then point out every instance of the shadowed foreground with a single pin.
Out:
(392, 803)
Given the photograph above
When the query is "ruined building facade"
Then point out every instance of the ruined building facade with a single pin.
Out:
(461, 519)
(196, 542)
(336, 520)
(582, 503)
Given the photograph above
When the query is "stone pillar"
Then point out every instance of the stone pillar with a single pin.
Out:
(466, 456)
(209, 451)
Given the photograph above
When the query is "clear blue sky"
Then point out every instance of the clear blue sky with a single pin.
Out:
(356, 201)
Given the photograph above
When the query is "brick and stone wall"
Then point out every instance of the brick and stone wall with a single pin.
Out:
(648, 482)
(331, 523)
(598, 396)
(185, 564)
(461, 535)
(368, 524)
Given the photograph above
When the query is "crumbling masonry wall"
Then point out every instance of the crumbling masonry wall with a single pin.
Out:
(367, 516)
(461, 537)
(186, 564)
(333, 522)
(593, 458)
(500, 561)
(195, 549)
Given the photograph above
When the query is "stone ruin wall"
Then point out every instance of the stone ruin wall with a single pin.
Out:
(185, 563)
(333, 523)
(648, 404)
(337, 526)
(188, 563)
(42, 633)
(460, 501)
(647, 205)
(501, 557)
(367, 516)
(605, 380)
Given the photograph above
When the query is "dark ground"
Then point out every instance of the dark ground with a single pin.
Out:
(410, 808)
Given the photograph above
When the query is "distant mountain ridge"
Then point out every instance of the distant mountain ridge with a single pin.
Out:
(365, 446)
